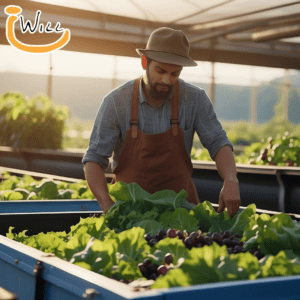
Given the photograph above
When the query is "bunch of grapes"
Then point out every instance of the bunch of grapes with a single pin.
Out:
(198, 239)
(152, 271)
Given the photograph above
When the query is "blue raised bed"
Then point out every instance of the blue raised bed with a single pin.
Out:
(35, 206)
(62, 280)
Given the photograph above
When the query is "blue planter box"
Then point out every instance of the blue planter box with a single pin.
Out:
(61, 280)
(36, 206)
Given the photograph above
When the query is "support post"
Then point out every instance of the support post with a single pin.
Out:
(49, 92)
(212, 86)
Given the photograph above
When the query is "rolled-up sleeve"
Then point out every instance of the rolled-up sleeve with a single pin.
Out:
(211, 134)
(104, 136)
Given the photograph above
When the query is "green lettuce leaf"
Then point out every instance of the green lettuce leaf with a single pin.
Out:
(205, 265)
(174, 246)
(76, 244)
(243, 219)
(273, 234)
(95, 227)
(180, 219)
(280, 265)
(150, 226)
(47, 189)
(203, 212)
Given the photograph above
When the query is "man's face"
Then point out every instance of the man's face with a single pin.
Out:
(161, 78)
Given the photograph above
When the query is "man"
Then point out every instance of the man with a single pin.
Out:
(149, 123)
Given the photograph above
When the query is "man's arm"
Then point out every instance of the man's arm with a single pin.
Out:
(230, 194)
(96, 180)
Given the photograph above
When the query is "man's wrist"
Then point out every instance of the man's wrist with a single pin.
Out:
(231, 177)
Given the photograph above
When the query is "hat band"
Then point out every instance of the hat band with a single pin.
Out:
(165, 52)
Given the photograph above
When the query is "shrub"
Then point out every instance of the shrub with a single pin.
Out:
(31, 123)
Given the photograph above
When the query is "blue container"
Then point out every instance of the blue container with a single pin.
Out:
(36, 206)
(59, 279)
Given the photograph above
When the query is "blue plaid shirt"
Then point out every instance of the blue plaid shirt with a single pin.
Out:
(196, 113)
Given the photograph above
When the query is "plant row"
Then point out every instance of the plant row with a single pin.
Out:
(26, 188)
(282, 151)
(150, 240)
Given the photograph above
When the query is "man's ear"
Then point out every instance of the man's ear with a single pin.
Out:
(144, 62)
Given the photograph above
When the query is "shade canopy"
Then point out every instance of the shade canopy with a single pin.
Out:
(260, 33)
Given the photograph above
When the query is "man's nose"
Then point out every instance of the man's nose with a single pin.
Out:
(166, 79)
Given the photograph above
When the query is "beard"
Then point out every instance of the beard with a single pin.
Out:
(155, 93)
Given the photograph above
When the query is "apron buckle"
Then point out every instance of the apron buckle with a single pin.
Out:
(134, 126)
(174, 123)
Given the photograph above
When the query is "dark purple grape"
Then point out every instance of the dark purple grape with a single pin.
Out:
(235, 242)
(188, 242)
(180, 234)
(162, 270)
(227, 242)
(199, 245)
(168, 259)
(209, 234)
(171, 233)
(142, 268)
(152, 268)
(162, 233)
(237, 249)
(153, 242)
(148, 237)
(226, 234)
(208, 240)
(199, 238)
(157, 237)
(153, 276)
(147, 262)
(229, 250)
(193, 236)
(237, 235)
(217, 237)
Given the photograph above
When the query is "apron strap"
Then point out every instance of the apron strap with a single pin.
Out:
(135, 106)
(174, 114)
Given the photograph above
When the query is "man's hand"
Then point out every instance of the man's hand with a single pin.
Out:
(230, 197)
(107, 205)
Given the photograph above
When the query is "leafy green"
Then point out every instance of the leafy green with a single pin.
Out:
(26, 188)
(204, 265)
(273, 234)
(243, 219)
(76, 244)
(114, 244)
(173, 246)
(203, 212)
(149, 226)
(180, 219)
(134, 205)
(93, 226)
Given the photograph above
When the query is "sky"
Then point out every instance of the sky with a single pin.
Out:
(70, 63)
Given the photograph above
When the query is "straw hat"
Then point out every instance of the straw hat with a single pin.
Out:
(168, 46)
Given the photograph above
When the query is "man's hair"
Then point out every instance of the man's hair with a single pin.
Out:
(148, 60)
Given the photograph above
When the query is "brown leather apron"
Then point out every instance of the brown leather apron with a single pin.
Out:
(156, 161)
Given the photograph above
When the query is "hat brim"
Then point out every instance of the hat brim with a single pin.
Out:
(167, 58)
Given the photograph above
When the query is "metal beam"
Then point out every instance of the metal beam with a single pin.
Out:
(275, 34)
(106, 34)
(195, 27)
